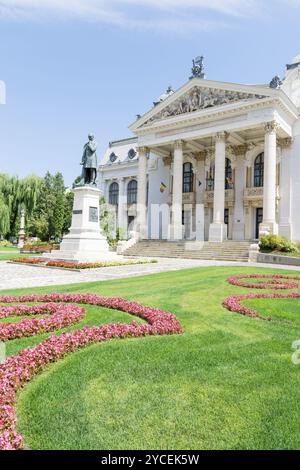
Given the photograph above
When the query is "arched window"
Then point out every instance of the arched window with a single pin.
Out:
(188, 178)
(132, 192)
(114, 194)
(228, 174)
(259, 171)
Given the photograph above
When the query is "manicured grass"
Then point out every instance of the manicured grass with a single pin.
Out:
(8, 248)
(227, 383)
(9, 256)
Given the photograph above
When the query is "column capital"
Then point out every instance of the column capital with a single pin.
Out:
(221, 136)
(167, 160)
(271, 127)
(285, 143)
(178, 144)
(142, 150)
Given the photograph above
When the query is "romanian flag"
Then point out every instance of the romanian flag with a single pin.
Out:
(163, 187)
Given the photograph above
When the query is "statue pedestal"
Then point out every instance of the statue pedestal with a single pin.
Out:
(84, 243)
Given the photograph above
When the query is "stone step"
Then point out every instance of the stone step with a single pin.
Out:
(227, 251)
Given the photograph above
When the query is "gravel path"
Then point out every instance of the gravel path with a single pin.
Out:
(17, 276)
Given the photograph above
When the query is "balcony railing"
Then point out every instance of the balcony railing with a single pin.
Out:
(188, 198)
(254, 193)
(229, 195)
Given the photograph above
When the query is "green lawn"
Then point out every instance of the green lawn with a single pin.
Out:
(227, 383)
(9, 256)
(8, 248)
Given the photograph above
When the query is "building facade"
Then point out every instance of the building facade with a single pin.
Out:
(211, 161)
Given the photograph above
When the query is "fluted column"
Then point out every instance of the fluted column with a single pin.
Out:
(142, 193)
(122, 207)
(218, 230)
(177, 228)
(269, 224)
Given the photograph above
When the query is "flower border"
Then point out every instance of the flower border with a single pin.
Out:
(18, 370)
(274, 281)
(78, 266)
(234, 303)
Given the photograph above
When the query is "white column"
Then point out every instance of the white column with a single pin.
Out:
(285, 223)
(269, 224)
(142, 193)
(106, 190)
(218, 230)
(239, 187)
(122, 208)
(177, 228)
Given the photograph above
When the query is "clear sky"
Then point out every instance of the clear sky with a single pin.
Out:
(76, 66)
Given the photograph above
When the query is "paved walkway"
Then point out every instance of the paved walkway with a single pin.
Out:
(13, 276)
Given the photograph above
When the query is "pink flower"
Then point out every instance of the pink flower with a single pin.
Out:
(17, 370)
(272, 281)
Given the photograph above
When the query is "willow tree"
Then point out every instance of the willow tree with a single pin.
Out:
(4, 217)
(16, 194)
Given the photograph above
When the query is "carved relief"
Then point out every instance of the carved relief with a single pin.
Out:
(285, 143)
(202, 98)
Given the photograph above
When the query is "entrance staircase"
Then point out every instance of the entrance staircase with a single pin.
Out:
(226, 251)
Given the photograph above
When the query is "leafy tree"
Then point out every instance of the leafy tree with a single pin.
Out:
(68, 209)
(15, 194)
(4, 217)
(58, 215)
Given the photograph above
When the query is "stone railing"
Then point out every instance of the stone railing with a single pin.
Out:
(132, 210)
(254, 193)
(188, 198)
(229, 196)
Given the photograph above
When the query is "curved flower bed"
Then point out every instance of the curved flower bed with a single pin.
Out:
(21, 368)
(77, 266)
(28, 260)
(102, 264)
(268, 281)
(234, 303)
(60, 316)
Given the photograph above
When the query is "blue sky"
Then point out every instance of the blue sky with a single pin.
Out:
(91, 65)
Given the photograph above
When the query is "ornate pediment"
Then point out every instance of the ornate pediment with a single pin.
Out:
(200, 98)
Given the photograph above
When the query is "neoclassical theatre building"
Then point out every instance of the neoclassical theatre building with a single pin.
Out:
(211, 161)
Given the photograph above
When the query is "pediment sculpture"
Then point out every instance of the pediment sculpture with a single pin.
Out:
(202, 98)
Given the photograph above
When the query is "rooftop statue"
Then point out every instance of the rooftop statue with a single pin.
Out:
(275, 82)
(198, 68)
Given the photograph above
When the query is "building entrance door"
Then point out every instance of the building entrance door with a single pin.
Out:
(259, 219)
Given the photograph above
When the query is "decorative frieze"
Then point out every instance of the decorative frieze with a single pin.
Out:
(203, 98)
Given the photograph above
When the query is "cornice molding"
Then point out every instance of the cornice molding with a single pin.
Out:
(203, 117)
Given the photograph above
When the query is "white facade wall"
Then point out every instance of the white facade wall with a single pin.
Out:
(295, 183)
(245, 126)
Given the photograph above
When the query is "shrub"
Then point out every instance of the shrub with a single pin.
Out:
(5, 244)
(276, 243)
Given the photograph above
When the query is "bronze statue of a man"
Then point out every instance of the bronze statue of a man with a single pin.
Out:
(89, 161)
